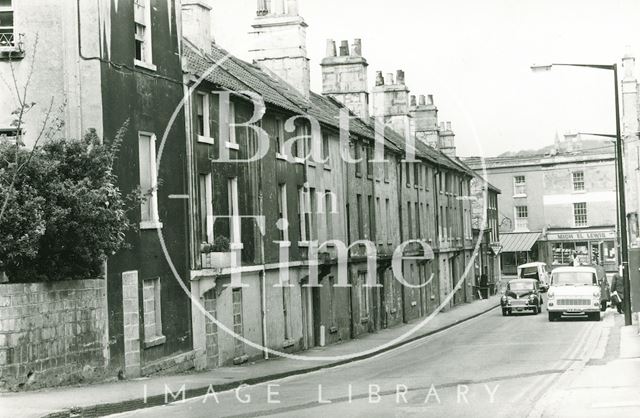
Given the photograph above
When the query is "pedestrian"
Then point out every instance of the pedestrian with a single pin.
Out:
(576, 260)
(484, 284)
(605, 292)
(617, 291)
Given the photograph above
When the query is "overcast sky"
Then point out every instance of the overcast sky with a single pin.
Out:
(474, 57)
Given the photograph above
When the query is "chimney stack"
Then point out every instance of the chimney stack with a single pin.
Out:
(379, 78)
(425, 117)
(391, 102)
(447, 140)
(344, 77)
(413, 101)
(196, 23)
(279, 43)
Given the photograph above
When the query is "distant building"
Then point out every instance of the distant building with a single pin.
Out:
(485, 222)
(556, 204)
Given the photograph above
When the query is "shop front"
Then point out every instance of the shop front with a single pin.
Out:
(589, 246)
(518, 248)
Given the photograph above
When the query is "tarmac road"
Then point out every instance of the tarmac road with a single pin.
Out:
(489, 366)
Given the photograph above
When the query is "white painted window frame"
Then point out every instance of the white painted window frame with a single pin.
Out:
(149, 218)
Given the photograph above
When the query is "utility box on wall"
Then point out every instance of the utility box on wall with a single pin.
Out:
(634, 277)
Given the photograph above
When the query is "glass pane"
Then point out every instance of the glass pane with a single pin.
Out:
(5, 3)
(6, 19)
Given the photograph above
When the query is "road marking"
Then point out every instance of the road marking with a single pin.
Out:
(556, 388)
(539, 384)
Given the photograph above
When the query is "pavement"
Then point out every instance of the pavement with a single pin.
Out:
(133, 395)
(605, 385)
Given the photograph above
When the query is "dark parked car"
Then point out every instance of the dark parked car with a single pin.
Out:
(521, 295)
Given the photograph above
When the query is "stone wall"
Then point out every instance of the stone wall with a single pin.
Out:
(51, 333)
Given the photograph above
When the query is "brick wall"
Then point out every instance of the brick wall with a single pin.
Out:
(51, 333)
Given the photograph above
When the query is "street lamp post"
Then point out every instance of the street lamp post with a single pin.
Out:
(622, 218)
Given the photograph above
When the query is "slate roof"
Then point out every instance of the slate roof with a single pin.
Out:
(225, 70)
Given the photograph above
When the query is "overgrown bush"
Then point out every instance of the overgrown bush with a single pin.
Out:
(65, 213)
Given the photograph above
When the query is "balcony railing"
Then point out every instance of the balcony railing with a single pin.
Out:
(7, 40)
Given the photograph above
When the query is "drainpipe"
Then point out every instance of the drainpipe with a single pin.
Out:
(402, 237)
(263, 273)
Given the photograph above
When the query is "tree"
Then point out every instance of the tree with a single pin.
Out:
(66, 214)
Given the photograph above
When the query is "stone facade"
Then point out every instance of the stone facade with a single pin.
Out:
(52, 333)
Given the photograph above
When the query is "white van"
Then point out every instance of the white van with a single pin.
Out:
(574, 291)
(538, 271)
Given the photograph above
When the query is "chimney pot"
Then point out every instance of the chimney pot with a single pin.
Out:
(430, 99)
(331, 48)
(442, 126)
(422, 101)
(448, 126)
(379, 78)
(389, 78)
(413, 100)
(400, 77)
(356, 48)
(344, 49)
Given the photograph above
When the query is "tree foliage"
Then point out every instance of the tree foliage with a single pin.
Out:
(65, 213)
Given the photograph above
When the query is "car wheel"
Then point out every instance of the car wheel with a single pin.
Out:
(552, 316)
(539, 308)
(603, 306)
(504, 312)
(595, 316)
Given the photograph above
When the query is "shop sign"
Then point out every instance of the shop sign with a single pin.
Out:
(582, 235)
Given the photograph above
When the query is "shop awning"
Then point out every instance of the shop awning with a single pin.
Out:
(518, 241)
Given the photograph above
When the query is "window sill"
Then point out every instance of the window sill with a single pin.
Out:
(155, 341)
(236, 246)
(358, 175)
(364, 320)
(285, 244)
(370, 177)
(12, 53)
(408, 185)
(281, 157)
(232, 145)
(298, 160)
(386, 181)
(579, 191)
(304, 244)
(519, 195)
(205, 140)
(150, 225)
(146, 65)
(327, 167)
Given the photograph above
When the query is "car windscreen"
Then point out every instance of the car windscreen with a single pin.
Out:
(521, 286)
(529, 272)
(574, 278)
